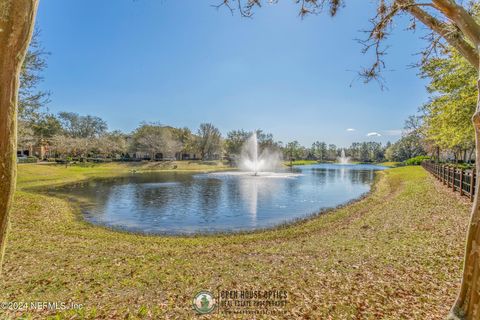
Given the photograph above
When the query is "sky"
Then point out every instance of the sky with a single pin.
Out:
(182, 63)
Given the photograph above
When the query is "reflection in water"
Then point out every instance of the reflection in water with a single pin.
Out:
(178, 203)
(252, 189)
(249, 192)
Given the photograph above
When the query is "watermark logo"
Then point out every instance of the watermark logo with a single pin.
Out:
(204, 302)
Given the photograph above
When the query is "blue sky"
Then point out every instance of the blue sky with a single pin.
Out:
(182, 63)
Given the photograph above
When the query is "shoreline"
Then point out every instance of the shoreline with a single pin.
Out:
(76, 207)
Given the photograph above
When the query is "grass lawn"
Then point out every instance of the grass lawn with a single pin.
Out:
(389, 164)
(300, 162)
(396, 254)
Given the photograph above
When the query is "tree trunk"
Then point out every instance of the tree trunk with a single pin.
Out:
(467, 304)
(17, 18)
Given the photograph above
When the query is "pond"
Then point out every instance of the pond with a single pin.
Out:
(186, 203)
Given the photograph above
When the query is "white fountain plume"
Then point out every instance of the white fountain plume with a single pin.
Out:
(255, 152)
(252, 160)
(343, 158)
(258, 164)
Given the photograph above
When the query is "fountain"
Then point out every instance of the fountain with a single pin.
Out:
(258, 163)
(253, 161)
(343, 159)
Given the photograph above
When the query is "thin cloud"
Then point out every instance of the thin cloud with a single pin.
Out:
(393, 132)
(350, 129)
(373, 134)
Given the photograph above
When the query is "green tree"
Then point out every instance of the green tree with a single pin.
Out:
(266, 141)
(155, 139)
(293, 150)
(77, 126)
(332, 152)
(364, 152)
(319, 150)
(354, 151)
(453, 95)
(46, 126)
(209, 141)
(409, 146)
(235, 140)
(376, 151)
(33, 122)
(186, 139)
(31, 99)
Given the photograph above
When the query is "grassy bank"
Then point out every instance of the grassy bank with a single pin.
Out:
(391, 164)
(395, 254)
(300, 162)
(32, 175)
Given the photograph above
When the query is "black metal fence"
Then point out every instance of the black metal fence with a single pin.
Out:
(460, 180)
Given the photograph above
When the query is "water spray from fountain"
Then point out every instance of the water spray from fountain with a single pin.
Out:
(255, 153)
(252, 160)
(343, 159)
(261, 164)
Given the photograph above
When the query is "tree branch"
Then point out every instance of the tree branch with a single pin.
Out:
(453, 37)
(461, 18)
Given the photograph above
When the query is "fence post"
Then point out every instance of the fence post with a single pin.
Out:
(461, 182)
(454, 171)
(445, 173)
(448, 176)
(456, 176)
(472, 185)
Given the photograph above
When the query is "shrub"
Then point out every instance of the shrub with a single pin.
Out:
(416, 160)
(465, 166)
(29, 159)
(99, 160)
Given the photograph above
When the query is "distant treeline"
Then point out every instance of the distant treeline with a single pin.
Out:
(69, 134)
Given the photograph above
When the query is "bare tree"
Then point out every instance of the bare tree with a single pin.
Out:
(25, 136)
(110, 144)
(66, 146)
(61, 145)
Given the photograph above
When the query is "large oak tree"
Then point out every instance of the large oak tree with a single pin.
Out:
(449, 22)
(17, 19)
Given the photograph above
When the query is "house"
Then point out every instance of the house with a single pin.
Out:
(39, 150)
